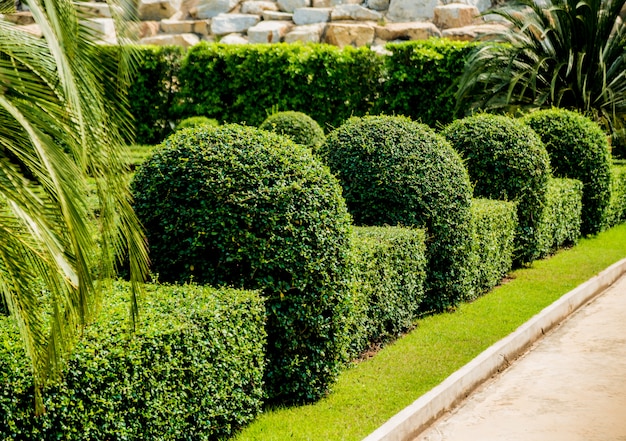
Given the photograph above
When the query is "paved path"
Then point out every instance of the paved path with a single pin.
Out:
(570, 386)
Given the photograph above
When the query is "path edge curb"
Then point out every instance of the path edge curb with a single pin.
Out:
(415, 418)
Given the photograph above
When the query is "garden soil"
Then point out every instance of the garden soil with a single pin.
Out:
(570, 386)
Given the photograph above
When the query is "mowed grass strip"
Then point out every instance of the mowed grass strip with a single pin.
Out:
(372, 391)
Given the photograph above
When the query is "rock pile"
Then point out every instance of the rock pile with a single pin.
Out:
(338, 22)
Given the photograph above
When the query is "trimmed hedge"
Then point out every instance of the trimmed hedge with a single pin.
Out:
(616, 212)
(237, 83)
(298, 126)
(578, 149)
(561, 221)
(240, 206)
(388, 281)
(506, 160)
(194, 121)
(153, 93)
(183, 375)
(494, 224)
(420, 79)
(397, 172)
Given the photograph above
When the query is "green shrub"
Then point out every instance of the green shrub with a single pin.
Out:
(388, 280)
(245, 207)
(420, 79)
(560, 225)
(506, 160)
(238, 83)
(192, 370)
(298, 126)
(578, 149)
(616, 212)
(493, 242)
(153, 93)
(194, 121)
(398, 172)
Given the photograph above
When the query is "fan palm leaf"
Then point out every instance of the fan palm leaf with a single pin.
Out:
(63, 118)
(561, 53)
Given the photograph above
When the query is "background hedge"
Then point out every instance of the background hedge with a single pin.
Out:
(241, 206)
(388, 281)
(506, 160)
(420, 79)
(397, 172)
(494, 224)
(578, 149)
(192, 370)
(243, 83)
(560, 225)
(616, 211)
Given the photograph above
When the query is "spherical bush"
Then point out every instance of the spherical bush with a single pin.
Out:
(506, 160)
(195, 121)
(398, 172)
(298, 126)
(578, 149)
(240, 206)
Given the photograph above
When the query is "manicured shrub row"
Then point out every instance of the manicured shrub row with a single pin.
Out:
(419, 79)
(506, 160)
(616, 211)
(578, 149)
(298, 126)
(388, 283)
(561, 221)
(239, 83)
(243, 207)
(195, 121)
(397, 172)
(494, 224)
(193, 370)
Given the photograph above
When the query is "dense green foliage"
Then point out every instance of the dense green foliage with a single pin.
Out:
(194, 121)
(238, 83)
(616, 211)
(153, 93)
(245, 207)
(184, 374)
(397, 172)
(388, 281)
(420, 79)
(506, 160)
(561, 220)
(561, 53)
(578, 149)
(298, 126)
(493, 242)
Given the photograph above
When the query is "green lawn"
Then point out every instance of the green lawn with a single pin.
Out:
(371, 392)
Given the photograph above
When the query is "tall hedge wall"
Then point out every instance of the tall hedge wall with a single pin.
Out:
(420, 78)
(184, 375)
(245, 83)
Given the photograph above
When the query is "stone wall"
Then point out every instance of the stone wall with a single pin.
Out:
(338, 22)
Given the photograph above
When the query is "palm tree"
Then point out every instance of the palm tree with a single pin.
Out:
(555, 53)
(62, 120)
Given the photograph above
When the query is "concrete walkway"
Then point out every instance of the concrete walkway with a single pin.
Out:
(570, 385)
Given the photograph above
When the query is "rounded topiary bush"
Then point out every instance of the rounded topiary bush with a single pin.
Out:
(298, 126)
(397, 172)
(195, 121)
(506, 160)
(244, 207)
(578, 149)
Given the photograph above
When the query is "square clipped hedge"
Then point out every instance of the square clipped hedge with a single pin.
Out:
(561, 221)
(493, 242)
(193, 370)
(616, 211)
(388, 282)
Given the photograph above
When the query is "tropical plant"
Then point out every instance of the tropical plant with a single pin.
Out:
(62, 118)
(556, 53)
